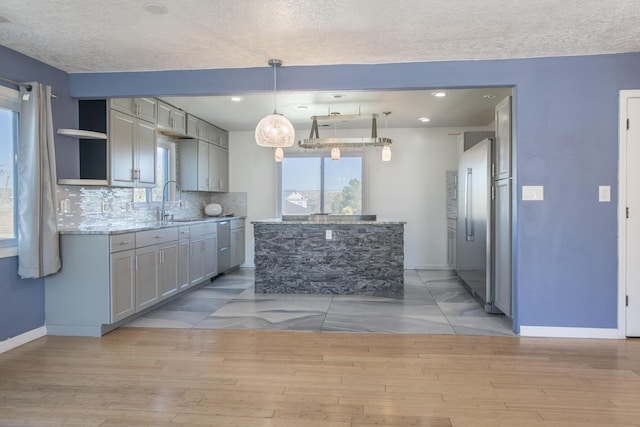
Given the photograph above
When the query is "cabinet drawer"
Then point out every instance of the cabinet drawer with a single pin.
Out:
(200, 229)
(122, 242)
(237, 223)
(183, 232)
(156, 237)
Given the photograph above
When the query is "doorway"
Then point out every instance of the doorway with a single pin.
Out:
(629, 215)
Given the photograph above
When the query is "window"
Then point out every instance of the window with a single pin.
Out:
(320, 185)
(9, 114)
(165, 164)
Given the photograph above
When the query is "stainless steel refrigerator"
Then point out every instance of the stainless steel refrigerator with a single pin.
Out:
(474, 222)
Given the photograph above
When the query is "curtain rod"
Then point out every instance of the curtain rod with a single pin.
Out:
(28, 87)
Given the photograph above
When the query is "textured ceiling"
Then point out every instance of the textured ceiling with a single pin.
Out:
(118, 35)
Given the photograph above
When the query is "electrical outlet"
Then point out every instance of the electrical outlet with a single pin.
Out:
(328, 235)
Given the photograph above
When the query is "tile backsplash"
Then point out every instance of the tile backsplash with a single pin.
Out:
(107, 206)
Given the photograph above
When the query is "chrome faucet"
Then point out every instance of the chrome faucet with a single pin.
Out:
(165, 214)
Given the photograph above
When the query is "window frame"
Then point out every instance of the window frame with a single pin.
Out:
(321, 156)
(10, 100)
(171, 176)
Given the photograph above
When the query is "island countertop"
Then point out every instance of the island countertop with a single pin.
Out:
(330, 219)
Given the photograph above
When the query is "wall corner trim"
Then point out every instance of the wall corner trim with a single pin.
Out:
(560, 332)
(22, 339)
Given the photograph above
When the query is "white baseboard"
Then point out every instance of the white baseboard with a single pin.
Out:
(21, 339)
(558, 332)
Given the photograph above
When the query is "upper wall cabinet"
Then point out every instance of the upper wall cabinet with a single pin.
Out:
(142, 108)
(171, 120)
(503, 139)
(132, 151)
(205, 131)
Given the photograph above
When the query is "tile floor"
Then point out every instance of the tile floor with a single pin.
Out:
(433, 303)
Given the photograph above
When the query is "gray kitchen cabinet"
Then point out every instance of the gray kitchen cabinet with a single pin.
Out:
(171, 120)
(211, 171)
(210, 255)
(203, 254)
(143, 108)
(237, 247)
(223, 170)
(132, 151)
(199, 129)
(168, 269)
(123, 294)
(224, 138)
(503, 139)
(156, 265)
(213, 176)
(183, 264)
(183, 258)
(147, 292)
(96, 286)
(192, 126)
(196, 259)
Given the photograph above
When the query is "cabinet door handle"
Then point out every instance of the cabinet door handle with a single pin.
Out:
(160, 236)
(126, 242)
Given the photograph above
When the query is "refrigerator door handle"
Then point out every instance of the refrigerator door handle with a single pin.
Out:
(468, 223)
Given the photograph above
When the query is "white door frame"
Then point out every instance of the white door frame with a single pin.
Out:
(622, 204)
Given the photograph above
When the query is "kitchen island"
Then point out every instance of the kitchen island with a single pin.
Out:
(329, 254)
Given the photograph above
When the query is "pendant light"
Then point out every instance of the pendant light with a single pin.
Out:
(335, 153)
(386, 149)
(386, 153)
(275, 130)
(279, 155)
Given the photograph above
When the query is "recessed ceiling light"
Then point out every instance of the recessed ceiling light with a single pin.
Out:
(302, 107)
(156, 9)
(488, 96)
(439, 94)
(424, 119)
(338, 96)
(236, 98)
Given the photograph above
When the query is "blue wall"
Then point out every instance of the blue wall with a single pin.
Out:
(566, 139)
(22, 301)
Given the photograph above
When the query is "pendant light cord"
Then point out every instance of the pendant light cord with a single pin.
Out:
(274, 88)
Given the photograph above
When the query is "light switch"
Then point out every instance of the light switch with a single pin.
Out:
(533, 192)
(604, 193)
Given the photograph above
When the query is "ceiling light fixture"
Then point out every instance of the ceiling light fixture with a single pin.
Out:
(156, 9)
(302, 107)
(274, 130)
(335, 144)
(236, 99)
(439, 94)
(424, 119)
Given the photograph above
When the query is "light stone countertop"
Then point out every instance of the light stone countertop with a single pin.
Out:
(140, 226)
(278, 221)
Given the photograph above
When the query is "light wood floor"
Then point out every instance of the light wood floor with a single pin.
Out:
(164, 377)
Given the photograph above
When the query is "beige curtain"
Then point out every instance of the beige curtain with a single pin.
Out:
(38, 240)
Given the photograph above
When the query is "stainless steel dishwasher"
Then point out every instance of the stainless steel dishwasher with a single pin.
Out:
(224, 242)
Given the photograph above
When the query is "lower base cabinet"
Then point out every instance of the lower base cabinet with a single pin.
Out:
(106, 279)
